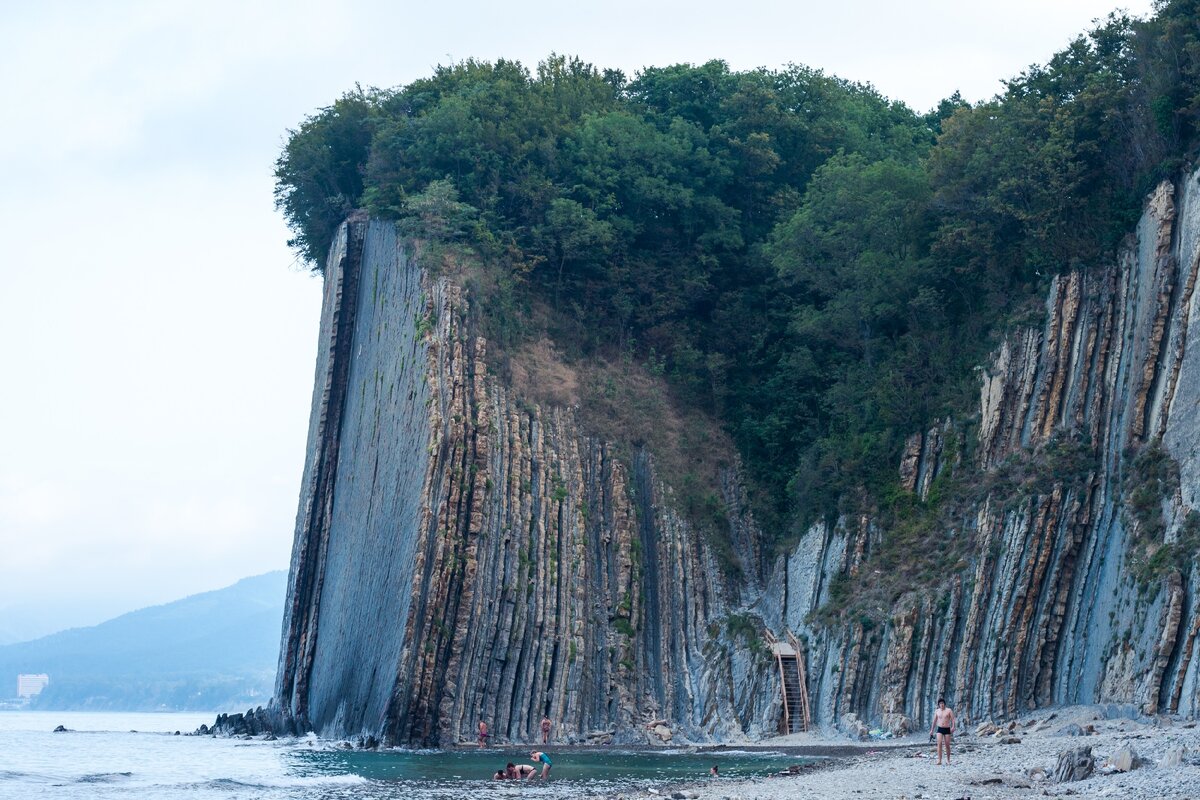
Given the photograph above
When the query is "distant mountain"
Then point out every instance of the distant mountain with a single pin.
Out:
(212, 651)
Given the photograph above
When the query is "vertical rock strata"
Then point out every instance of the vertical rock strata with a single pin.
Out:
(461, 554)
(1045, 610)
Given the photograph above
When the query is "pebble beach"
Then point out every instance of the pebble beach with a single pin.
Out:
(1160, 757)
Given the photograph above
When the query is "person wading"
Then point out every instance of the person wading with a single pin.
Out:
(543, 759)
(546, 730)
(943, 725)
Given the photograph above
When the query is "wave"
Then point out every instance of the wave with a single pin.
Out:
(232, 784)
(104, 777)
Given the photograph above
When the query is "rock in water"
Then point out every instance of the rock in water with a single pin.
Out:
(60, 729)
(1074, 765)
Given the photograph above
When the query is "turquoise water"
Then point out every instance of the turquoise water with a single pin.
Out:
(104, 758)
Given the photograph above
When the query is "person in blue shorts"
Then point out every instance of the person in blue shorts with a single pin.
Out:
(543, 759)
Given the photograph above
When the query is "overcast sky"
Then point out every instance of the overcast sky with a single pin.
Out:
(158, 334)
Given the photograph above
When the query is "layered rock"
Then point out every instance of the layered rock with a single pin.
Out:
(464, 555)
(1044, 610)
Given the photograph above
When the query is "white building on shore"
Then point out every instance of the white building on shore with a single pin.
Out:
(29, 685)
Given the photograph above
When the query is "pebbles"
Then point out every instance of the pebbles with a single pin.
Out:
(1167, 759)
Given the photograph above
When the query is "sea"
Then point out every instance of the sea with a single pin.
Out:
(125, 756)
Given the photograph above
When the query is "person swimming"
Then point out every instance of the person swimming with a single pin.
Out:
(500, 775)
(544, 760)
(517, 772)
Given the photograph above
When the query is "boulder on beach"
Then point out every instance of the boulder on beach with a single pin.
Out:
(853, 727)
(1173, 757)
(1076, 764)
(985, 729)
(1124, 760)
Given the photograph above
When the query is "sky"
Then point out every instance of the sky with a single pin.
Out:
(159, 336)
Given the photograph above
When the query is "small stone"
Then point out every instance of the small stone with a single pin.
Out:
(1010, 740)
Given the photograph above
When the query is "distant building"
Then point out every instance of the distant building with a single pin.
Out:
(31, 685)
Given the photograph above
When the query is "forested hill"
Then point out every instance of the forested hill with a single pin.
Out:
(213, 650)
(815, 266)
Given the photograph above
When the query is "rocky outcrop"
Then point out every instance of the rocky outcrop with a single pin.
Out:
(1043, 608)
(464, 555)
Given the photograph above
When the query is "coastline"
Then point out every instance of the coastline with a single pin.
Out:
(1017, 762)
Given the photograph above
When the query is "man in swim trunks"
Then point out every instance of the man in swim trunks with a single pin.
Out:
(543, 759)
(943, 723)
(519, 772)
(546, 730)
(483, 733)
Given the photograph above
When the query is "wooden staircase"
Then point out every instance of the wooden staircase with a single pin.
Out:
(789, 656)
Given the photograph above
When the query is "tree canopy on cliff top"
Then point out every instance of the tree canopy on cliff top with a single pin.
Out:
(814, 265)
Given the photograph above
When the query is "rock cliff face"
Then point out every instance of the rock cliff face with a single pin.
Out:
(1046, 607)
(462, 554)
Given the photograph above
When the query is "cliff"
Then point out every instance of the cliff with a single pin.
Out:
(462, 553)
(1076, 581)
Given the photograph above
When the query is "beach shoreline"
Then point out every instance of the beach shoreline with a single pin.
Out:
(1016, 761)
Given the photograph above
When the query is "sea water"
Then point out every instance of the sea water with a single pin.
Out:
(137, 757)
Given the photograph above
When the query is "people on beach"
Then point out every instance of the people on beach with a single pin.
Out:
(546, 730)
(519, 772)
(483, 733)
(714, 772)
(500, 775)
(543, 759)
(943, 724)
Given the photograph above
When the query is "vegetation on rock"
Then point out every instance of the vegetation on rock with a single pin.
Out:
(814, 266)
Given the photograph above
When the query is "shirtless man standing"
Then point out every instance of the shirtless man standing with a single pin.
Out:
(943, 723)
